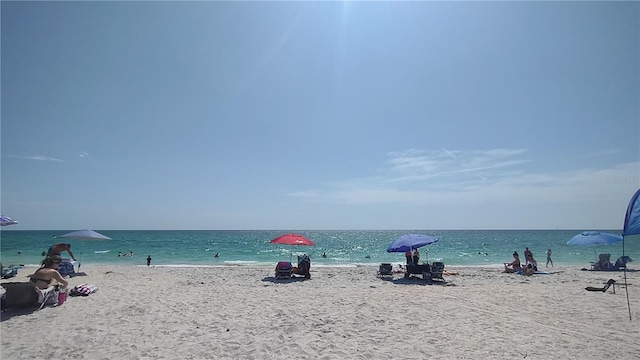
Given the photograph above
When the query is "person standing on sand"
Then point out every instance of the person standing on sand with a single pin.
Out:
(148, 260)
(58, 248)
(407, 254)
(549, 258)
(527, 256)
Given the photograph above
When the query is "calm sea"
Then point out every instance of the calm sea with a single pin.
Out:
(343, 248)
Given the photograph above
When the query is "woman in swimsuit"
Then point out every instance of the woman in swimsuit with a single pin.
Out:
(514, 265)
(45, 275)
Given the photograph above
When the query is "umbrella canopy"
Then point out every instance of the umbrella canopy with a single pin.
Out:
(409, 242)
(84, 235)
(632, 218)
(292, 239)
(594, 238)
(5, 221)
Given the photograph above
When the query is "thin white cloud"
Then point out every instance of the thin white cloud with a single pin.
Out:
(438, 178)
(36, 157)
(450, 153)
(587, 184)
(425, 163)
(445, 168)
(84, 154)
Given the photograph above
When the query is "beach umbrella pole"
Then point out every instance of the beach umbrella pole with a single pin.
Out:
(80, 261)
(626, 286)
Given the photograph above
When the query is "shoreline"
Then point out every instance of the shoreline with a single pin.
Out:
(313, 265)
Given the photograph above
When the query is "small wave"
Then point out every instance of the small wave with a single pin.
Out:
(242, 263)
(181, 266)
(101, 251)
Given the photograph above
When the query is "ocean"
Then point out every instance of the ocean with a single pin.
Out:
(343, 248)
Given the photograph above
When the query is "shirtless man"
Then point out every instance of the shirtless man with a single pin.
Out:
(58, 248)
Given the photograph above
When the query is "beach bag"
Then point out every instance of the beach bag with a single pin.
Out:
(48, 297)
(66, 268)
(62, 297)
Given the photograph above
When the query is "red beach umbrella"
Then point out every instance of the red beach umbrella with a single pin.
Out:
(292, 239)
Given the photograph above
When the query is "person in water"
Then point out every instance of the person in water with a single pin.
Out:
(216, 255)
(148, 260)
(324, 254)
(47, 275)
(58, 248)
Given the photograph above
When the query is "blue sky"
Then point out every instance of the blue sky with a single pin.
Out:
(320, 115)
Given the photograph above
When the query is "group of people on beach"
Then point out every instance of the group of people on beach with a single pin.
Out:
(412, 258)
(530, 265)
(48, 275)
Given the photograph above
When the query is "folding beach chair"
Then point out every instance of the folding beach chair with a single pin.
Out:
(385, 270)
(603, 263)
(304, 266)
(621, 263)
(284, 270)
(604, 288)
(437, 268)
(27, 295)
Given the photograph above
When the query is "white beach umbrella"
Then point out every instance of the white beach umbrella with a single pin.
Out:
(84, 234)
(6, 221)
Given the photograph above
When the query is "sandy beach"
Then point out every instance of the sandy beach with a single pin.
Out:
(341, 313)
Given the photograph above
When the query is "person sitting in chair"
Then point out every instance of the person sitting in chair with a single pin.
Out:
(45, 276)
(514, 265)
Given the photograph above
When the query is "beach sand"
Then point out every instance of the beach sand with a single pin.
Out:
(341, 313)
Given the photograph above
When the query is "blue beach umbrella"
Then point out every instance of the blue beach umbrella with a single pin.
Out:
(631, 227)
(588, 238)
(632, 218)
(409, 242)
(594, 238)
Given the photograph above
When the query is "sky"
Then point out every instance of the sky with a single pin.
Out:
(319, 115)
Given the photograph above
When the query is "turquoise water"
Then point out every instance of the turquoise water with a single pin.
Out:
(343, 248)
